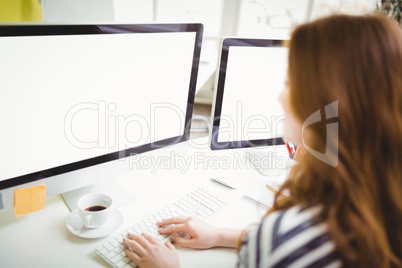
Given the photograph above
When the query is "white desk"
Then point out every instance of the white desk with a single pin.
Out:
(41, 239)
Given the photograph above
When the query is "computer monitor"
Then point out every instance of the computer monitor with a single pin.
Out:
(246, 109)
(78, 100)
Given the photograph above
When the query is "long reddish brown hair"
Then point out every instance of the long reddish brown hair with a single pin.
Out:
(355, 61)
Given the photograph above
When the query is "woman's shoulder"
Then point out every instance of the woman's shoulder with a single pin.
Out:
(295, 236)
(294, 219)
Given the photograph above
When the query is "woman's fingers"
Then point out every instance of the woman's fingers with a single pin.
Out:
(133, 256)
(174, 229)
(134, 246)
(176, 225)
(140, 239)
(174, 220)
(155, 254)
(150, 238)
(138, 243)
(169, 245)
(184, 242)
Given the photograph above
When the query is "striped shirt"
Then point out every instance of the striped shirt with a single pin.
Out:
(289, 238)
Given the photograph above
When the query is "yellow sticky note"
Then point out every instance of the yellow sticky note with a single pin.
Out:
(30, 199)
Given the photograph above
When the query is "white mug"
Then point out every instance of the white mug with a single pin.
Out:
(95, 209)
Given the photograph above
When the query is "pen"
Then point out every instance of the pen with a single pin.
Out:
(271, 188)
(287, 146)
(297, 151)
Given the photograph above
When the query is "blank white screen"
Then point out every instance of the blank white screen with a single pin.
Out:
(69, 98)
(255, 77)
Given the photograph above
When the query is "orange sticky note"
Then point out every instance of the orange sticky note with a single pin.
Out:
(30, 199)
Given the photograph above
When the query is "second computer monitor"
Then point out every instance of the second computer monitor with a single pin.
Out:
(251, 75)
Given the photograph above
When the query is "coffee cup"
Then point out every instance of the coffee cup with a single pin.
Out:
(95, 209)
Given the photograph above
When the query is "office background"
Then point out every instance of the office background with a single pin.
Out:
(251, 18)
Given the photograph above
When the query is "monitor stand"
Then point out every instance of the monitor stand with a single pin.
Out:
(271, 160)
(120, 195)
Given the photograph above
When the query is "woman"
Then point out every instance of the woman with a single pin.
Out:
(344, 104)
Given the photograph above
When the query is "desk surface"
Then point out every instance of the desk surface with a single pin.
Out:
(41, 239)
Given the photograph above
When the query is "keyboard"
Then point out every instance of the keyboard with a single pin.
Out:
(199, 202)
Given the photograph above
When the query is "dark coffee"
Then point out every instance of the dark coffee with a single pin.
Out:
(95, 208)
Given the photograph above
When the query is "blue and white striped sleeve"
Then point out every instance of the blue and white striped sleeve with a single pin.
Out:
(289, 238)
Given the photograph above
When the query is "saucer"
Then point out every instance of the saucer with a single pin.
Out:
(76, 226)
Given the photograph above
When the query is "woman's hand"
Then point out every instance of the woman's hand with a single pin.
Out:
(201, 235)
(145, 251)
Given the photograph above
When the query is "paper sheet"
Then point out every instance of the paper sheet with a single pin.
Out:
(30, 199)
(261, 196)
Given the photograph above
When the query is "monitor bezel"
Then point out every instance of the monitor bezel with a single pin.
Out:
(219, 93)
(86, 29)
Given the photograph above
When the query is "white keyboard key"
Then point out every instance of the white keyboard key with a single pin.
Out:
(120, 264)
(114, 243)
(116, 258)
(202, 214)
(160, 237)
(104, 251)
(109, 247)
(110, 254)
